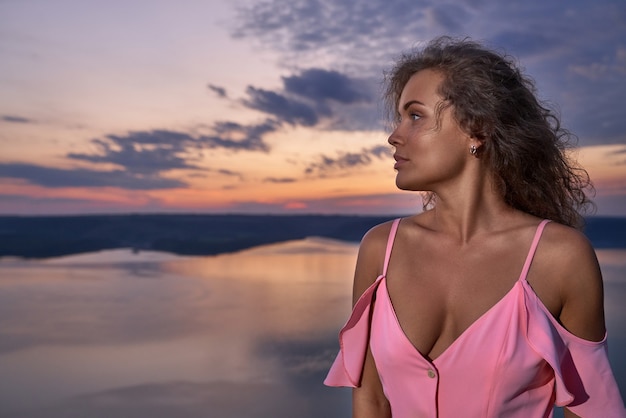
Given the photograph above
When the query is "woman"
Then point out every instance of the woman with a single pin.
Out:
(489, 303)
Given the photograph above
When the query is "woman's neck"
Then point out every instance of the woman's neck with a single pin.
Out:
(470, 209)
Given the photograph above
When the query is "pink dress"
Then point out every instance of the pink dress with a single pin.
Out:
(516, 360)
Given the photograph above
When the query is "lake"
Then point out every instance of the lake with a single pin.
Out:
(242, 335)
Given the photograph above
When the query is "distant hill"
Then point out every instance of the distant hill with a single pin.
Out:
(53, 236)
(42, 237)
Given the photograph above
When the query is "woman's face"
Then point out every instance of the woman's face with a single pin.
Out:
(430, 150)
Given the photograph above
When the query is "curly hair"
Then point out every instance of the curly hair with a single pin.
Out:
(524, 145)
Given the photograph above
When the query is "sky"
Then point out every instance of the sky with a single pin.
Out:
(190, 106)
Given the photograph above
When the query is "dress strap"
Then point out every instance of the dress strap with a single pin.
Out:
(390, 240)
(533, 248)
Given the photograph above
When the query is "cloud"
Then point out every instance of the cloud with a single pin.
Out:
(279, 180)
(311, 97)
(144, 152)
(226, 172)
(348, 160)
(320, 85)
(524, 43)
(357, 33)
(609, 65)
(353, 31)
(144, 157)
(316, 97)
(575, 52)
(12, 204)
(58, 177)
(368, 33)
(220, 91)
(618, 151)
(371, 204)
(380, 151)
(14, 199)
(592, 108)
(155, 151)
(15, 119)
(237, 137)
(287, 110)
(449, 16)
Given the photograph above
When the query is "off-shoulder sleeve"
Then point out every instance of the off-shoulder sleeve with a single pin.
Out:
(588, 376)
(353, 341)
(584, 381)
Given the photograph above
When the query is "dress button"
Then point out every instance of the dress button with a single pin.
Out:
(431, 373)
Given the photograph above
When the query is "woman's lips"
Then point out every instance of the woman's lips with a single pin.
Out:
(399, 161)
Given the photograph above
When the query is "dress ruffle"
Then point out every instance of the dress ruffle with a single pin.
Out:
(353, 339)
(584, 381)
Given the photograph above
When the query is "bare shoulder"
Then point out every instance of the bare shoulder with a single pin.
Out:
(371, 257)
(570, 262)
(377, 235)
(570, 252)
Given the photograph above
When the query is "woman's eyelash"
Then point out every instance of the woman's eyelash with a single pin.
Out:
(412, 115)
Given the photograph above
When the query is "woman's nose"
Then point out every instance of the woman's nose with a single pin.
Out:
(393, 138)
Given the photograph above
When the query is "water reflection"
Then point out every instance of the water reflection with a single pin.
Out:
(248, 334)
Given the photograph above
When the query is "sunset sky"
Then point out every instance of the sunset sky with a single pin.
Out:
(245, 106)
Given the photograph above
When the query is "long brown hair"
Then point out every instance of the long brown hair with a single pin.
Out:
(524, 145)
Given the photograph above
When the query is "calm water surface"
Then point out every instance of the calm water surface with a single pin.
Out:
(244, 335)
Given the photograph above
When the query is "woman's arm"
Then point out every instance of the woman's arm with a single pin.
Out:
(581, 290)
(368, 400)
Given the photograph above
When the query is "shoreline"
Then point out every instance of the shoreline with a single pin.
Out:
(185, 235)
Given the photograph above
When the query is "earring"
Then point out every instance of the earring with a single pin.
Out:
(473, 150)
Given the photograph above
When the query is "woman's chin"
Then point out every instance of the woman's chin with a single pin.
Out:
(407, 186)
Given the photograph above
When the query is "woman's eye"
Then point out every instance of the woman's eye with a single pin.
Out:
(414, 116)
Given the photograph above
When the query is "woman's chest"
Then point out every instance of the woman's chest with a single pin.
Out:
(434, 308)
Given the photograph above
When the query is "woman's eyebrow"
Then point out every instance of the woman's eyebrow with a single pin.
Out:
(409, 103)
